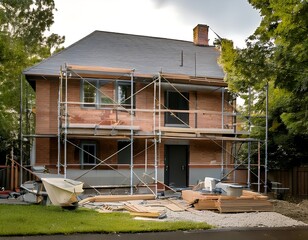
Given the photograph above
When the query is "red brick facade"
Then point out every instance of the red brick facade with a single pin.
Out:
(205, 107)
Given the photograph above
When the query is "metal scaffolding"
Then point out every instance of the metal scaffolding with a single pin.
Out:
(229, 155)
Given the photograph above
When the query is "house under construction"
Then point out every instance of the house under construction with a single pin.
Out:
(121, 110)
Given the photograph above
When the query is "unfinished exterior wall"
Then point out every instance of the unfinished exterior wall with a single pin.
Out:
(205, 112)
(42, 152)
(46, 106)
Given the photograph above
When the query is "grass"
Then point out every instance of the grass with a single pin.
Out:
(42, 220)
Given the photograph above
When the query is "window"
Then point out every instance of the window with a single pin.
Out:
(101, 93)
(87, 154)
(89, 93)
(177, 101)
(124, 155)
(124, 94)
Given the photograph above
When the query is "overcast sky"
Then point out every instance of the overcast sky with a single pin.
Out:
(232, 19)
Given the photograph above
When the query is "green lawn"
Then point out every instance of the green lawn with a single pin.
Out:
(37, 219)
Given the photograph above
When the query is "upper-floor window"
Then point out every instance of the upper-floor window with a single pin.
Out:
(89, 93)
(124, 94)
(175, 101)
(102, 93)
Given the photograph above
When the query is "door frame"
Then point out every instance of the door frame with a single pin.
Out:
(167, 161)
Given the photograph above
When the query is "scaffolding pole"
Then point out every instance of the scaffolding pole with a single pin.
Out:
(66, 124)
(159, 108)
(259, 166)
(146, 155)
(222, 107)
(266, 139)
(249, 143)
(59, 120)
(20, 131)
(155, 137)
(132, 134)
(222, 160)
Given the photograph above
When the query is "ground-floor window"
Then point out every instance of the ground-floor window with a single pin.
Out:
(88, 153)
(124, 154)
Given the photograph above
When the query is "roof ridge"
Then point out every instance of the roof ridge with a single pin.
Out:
(145, 36)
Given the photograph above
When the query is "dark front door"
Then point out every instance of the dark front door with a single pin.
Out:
(176, 165)
(177, 101)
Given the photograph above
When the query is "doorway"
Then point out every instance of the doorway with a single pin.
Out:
(176, 165)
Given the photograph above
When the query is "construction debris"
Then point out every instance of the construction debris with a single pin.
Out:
(147, 206)
(142, 205)
(143, 211)
(248, 202)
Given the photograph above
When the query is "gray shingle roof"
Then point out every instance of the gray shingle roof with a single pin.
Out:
(147, 55)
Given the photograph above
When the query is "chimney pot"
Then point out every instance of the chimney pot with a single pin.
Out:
(201, 33)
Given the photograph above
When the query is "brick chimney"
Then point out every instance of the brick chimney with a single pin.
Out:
(201, 37)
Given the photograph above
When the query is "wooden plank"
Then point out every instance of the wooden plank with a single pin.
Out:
(197, 80)
(197, 130)
(117, 198)
(250, 193)
(99, 69)
(174, 207)
(181, 205)
(191, 196)
(142, 211)
(147, 214)
(255, 195)
(169, 203)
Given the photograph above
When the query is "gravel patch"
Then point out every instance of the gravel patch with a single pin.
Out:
(220, 220)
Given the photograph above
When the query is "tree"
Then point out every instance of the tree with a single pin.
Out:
(276, 54)
(23, 42)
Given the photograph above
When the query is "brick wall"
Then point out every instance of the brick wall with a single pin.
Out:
(42, 151)
(205, 152)
(46, 106)
(46, 118)
(42, 106)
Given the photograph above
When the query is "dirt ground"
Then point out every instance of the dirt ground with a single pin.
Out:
(297, 211)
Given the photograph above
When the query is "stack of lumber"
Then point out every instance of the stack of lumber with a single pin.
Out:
(248, 202)
(198, 200)
(202, 201)
(142, 211)
(209, 202)
(243, 205)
